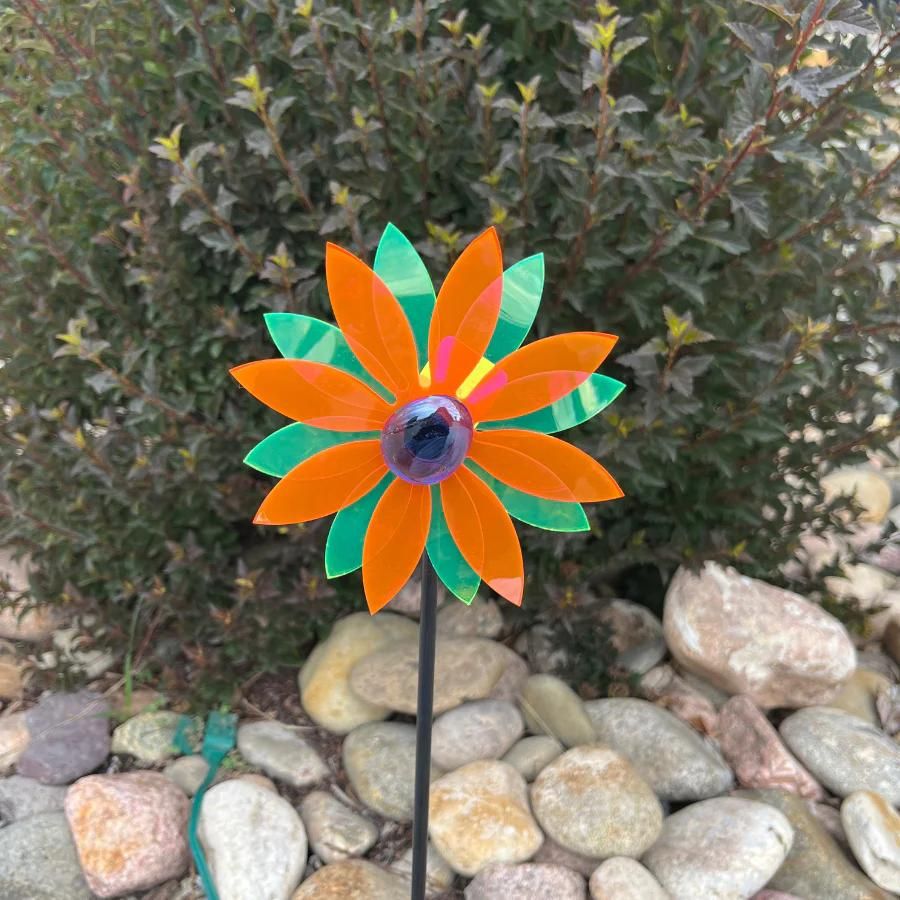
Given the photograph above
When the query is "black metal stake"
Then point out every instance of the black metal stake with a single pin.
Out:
(424, 714)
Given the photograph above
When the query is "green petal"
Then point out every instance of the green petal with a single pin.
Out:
(344, 547)
(461, 579)
(399, 266)
(303, 337)
(584, 402)
(551, 515)
(289, 446)
(522, 287)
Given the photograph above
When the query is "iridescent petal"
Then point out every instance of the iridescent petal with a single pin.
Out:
(459, 577)
(344, 547)
(399, 266)
(551, 515)
(523, 284)
(588, 399)
(303, 337)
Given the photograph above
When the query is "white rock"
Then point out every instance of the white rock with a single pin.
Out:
(335, 832)
(870, 490)
(623, 878)
(748, 637)
(725, 848)
(532, 754)
(280, 752)
(872, 827)
(254, 841)
(482, 729)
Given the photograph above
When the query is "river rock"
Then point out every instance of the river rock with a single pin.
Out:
(69, 737)
(748, 637)
(872, 827)
(622, 878)
(757, 754)
(815, 866)
(38, 861)
(439, 877)
(512, 680)
(843, 752)
(149, 736)
(23, 797)
(481, 619)
(869, 489)
(254, 841)
(593, 801)
(532, 753)
(690, 768)
(130, 831)
(635, 634)
(552, 707)
(12, 669)
(724, 847)
(479, 816)
(465, 669)
(532, 880)
(379, 759)
(14, 738)
(482, 729)
(325, 690)
(859, 694)
(557, 855)
(669, 690)
(281, 753)
(188, 772)
(352, 879)
(335, 832)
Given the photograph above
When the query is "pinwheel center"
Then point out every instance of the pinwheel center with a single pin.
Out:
(426, 440)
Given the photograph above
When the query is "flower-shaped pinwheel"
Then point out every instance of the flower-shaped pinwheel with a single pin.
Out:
(424, 424)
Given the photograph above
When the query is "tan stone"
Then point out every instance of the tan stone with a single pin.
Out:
(666, 688)
(32, 625)
(757, 754)
(14, 738)
(871, 491)
(479, 816)
(12, 681)
(466, 669)
(872, 827)
(552, 707)
(592, 801)
(746, 636)
(622, 878)
(353, 879)
(481, 619)
(859, 693)
(325, 677)
(130, 830)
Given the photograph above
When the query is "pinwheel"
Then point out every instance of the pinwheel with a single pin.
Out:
(423, 422)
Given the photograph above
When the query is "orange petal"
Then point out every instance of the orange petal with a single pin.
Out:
(314, 393)
(538, 374)
(373, 322)
(395, 540)
(323, 484)
(468, 303)
(484, 533)
(542, 465)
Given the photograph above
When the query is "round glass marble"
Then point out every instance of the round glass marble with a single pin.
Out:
(427, 440)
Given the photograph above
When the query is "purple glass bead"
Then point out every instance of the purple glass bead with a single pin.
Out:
(426, 441)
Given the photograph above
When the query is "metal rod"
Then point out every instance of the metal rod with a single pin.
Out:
(424, 713)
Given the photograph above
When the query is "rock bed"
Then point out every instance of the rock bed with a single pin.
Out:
(759, 760)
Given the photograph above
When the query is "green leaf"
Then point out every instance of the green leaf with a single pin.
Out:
(815, 83)
(399, 266)
(286, 448)
(849, 17)
(344, 546)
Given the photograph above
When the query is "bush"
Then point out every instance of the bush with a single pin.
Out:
(710, 181)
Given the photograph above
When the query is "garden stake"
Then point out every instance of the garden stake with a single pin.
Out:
(424, 715)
